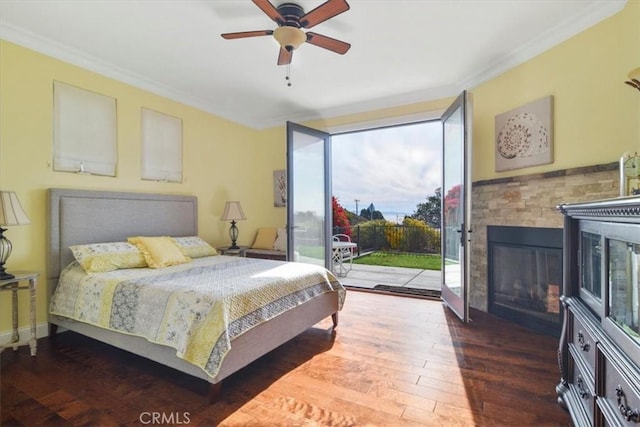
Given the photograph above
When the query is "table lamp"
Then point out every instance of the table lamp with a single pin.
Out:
(233, 212)
(11, 213)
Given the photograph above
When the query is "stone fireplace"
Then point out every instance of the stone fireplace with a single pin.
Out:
(529, 201)
(525, 276)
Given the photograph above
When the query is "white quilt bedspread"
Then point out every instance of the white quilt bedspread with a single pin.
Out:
(196, 308)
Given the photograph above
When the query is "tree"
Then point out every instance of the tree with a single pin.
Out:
(371, 215)
(429, 211)
(340, 219)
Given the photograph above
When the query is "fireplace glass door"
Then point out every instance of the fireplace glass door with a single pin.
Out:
(527, 282)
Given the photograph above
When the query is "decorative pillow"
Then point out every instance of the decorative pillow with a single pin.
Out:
(281, 241)
(265, 238)
(159, 252)
(194, 247)
(101, 257)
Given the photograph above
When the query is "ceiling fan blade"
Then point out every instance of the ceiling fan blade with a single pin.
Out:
(244, 34)
(329, 43)
(285, 56)
(270, 10)
(326, 10)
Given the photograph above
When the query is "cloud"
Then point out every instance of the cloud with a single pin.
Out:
(394, 168)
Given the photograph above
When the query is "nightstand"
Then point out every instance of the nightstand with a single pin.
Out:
(225, 250)
(13, 286)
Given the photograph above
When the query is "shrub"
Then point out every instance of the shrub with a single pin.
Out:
(419, 237)
(340, 219)
(371, 234)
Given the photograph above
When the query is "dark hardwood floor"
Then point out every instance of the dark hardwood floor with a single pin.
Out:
(394, 361)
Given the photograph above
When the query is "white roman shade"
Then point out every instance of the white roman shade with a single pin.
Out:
(84, 131)
(161, 146)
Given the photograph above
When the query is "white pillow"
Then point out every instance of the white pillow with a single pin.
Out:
(281, 241)
(101, 257)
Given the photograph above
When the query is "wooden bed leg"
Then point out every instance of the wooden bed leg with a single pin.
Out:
(334, 317)
(214, 392)
(53, 330)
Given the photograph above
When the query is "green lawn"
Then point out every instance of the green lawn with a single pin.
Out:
(407, 260)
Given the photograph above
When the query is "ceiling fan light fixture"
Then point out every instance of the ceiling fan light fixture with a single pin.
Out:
(289, 38)
(291, 18)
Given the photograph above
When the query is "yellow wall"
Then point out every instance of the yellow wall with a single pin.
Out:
(222, 160)
(596, 118)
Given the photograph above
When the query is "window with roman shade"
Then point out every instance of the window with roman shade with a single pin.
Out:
(161, 146)
(84, 131)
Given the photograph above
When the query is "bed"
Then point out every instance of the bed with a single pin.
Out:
(81, 217)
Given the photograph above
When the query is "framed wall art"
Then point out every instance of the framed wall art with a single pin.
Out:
(524, 136)
(279, 188)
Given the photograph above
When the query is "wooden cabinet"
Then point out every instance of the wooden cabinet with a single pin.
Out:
(599, 349)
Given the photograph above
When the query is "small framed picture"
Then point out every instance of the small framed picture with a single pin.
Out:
(279, 188)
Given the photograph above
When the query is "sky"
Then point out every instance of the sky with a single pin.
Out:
(394, 168)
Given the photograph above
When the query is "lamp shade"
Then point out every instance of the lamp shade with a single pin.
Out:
(232, 212)
(634, 78)
(11, 212)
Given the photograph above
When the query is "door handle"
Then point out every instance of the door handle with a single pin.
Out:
(462, 233)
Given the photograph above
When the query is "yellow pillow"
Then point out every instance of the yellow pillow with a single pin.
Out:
(159, 252)
(265, 238)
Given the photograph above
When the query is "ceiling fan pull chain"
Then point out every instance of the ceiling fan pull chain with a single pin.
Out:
(288, 77)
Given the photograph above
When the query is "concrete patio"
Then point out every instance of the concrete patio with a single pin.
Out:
(368, 276)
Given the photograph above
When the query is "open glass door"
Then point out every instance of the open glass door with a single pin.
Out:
(456, 205)
(308, 195)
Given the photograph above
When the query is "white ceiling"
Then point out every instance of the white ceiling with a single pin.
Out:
(402, 51)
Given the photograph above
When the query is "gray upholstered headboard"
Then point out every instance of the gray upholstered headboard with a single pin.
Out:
(83, 216)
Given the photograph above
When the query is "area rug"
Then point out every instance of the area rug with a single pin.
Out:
(428, 293)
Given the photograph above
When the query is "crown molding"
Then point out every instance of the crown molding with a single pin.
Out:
(592, 15)
(553, 36)
(385, 122)
(30, 40)
(382, 103)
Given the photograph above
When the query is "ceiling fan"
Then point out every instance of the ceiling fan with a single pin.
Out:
(290, 18)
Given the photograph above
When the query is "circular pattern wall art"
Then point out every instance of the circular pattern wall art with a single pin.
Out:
(524, 136)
